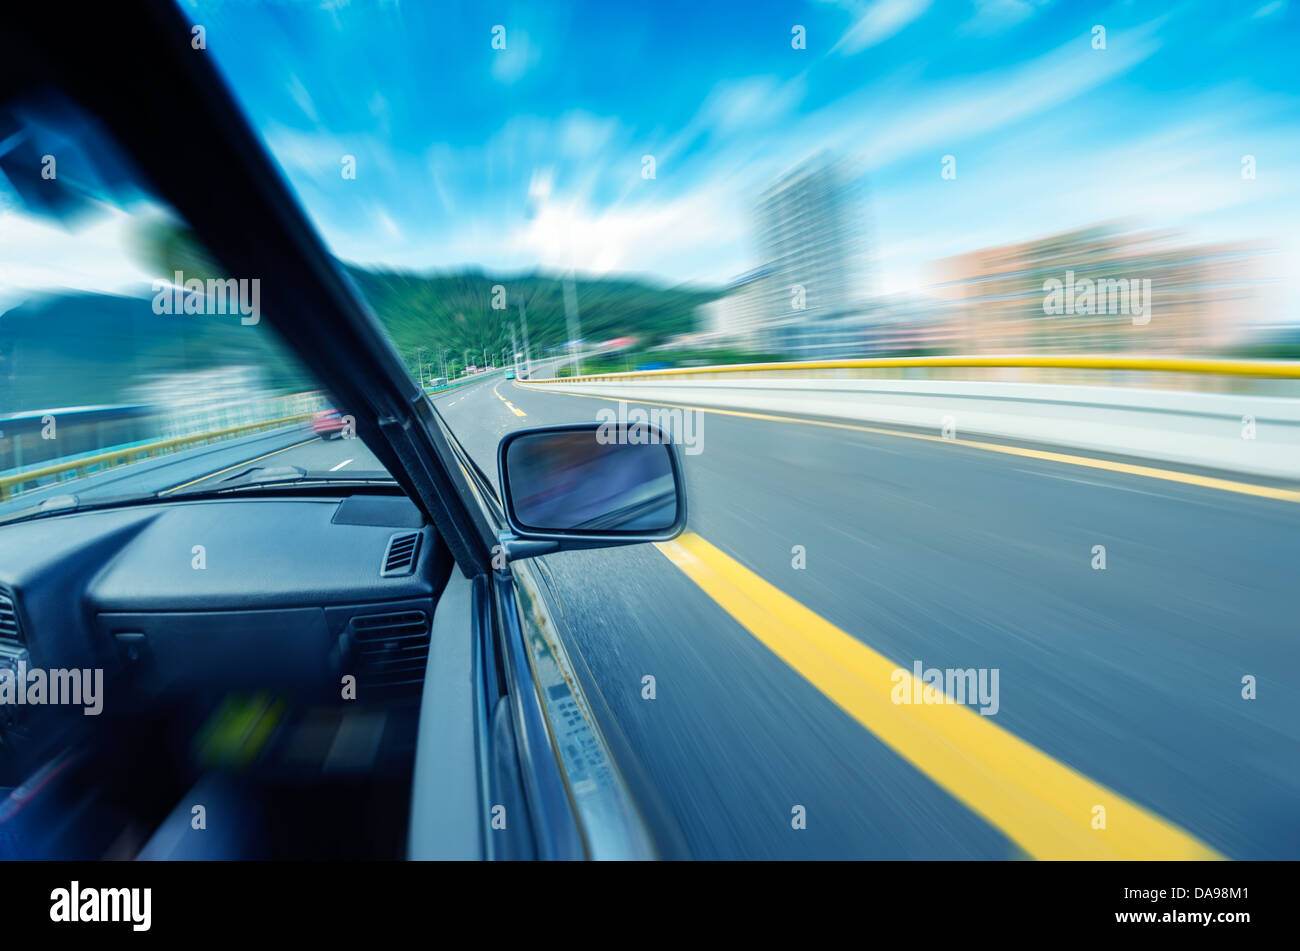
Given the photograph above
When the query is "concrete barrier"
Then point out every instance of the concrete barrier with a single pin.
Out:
(1231, 432)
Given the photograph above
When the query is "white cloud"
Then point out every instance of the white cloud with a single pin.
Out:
(541, 185)
(681, 236)
(945, 118)
(876, 22)
(302, 97)
(43, 255)
(749, 102)
(993, 16)
(386, 223)
(318, 156)
(580, 134)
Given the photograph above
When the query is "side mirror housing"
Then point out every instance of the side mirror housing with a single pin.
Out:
(589, 486)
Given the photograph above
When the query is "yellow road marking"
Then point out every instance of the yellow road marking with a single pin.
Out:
(1150, 472)
(1044, 806)
(513, 408)
(237, 465)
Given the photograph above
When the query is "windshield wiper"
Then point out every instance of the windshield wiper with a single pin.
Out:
(264, 478)
(305, 482)
(69, 504)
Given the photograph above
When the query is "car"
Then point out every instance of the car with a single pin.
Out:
(510, 374)
(328, 423)
(338, 657)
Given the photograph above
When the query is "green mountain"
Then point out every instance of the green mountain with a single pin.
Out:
(79, 349)
(455, 311)
(83, 349)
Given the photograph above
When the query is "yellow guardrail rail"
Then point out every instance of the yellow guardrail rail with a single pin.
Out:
(1269, 369)
(115, 457)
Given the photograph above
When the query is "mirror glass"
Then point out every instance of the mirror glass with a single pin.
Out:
(576, 481)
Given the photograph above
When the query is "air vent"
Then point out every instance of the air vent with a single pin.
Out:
(391, 650)
(400, 557)
(9, 631)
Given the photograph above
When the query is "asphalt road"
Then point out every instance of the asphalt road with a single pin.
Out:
(1119, 688)
(1127, 679)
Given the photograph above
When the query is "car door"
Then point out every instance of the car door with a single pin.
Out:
(539, 703)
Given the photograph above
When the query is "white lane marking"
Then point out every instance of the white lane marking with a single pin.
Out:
(340, 465)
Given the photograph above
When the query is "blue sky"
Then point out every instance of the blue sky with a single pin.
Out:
(532, 156)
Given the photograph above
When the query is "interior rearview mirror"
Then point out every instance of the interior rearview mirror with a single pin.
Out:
(592, 485)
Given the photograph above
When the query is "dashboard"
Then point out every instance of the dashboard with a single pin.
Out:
(182, 596)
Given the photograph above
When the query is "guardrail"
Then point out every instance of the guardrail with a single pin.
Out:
(106, 460)
(1270, 369)
(1249, 432)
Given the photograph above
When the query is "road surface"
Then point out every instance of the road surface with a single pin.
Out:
(1127, 680)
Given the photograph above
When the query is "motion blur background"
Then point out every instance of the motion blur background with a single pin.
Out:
(918, 170)
(576, 188)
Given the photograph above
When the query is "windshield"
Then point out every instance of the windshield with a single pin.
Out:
(131, 365)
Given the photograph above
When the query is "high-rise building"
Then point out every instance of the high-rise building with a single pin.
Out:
(810, 251)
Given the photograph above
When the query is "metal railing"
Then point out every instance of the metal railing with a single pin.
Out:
(1266, 369)
(107, 460)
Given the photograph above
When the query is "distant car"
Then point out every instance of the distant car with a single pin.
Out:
(327, 423)
(523, 374)
(510, 374)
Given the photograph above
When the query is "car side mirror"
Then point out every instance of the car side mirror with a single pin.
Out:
(590, 486)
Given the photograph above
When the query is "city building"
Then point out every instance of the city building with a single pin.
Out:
(809, 292)
(736, 318)
(1099, 288)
